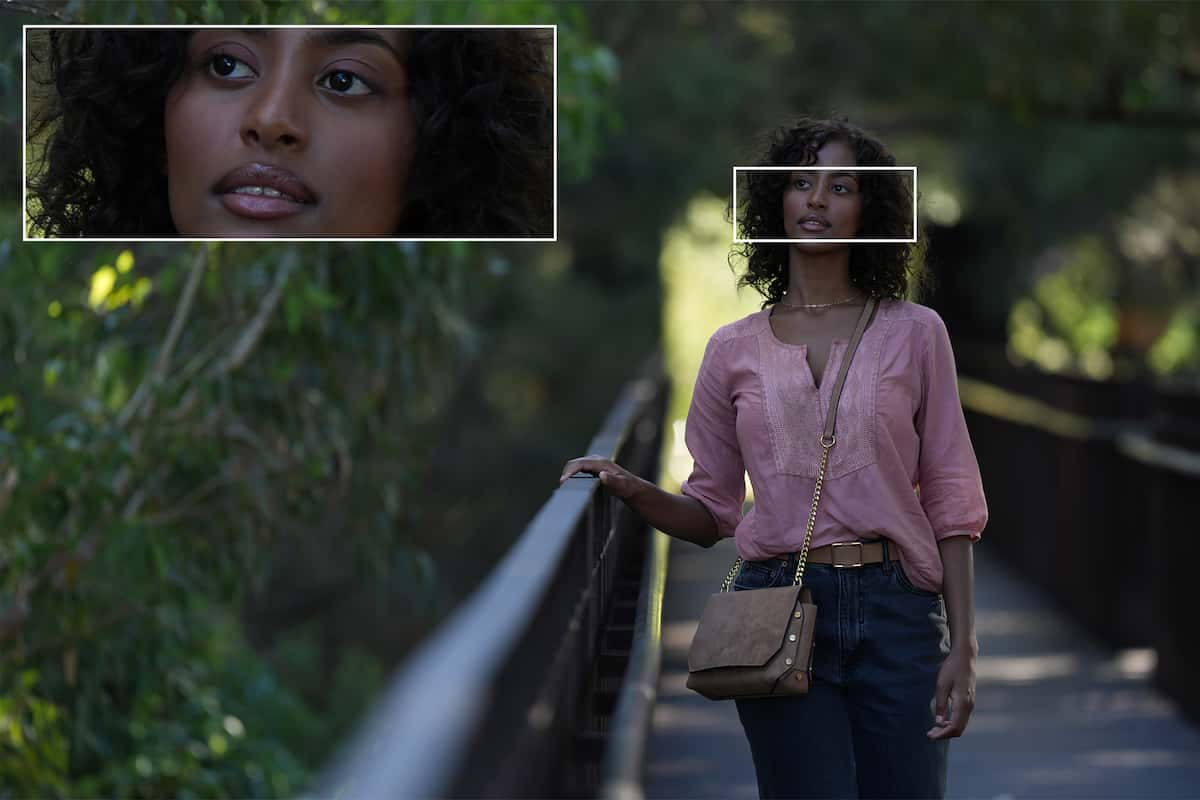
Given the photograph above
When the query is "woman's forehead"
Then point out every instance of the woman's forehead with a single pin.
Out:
(394, 41)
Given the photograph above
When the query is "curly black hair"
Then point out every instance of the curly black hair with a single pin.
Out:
(880, 270)
(482, 100)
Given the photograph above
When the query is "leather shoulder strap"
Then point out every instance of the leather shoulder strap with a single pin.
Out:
(864, 319)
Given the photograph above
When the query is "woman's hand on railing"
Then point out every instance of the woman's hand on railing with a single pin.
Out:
(675, 515)
(619, 481)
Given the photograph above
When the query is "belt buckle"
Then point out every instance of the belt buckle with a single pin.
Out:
(858, 562)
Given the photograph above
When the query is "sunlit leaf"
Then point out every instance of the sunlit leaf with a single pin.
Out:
(102, 283)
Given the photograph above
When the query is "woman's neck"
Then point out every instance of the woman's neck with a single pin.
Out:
(820, 277)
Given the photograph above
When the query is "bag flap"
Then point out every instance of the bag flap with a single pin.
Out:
(742, 629)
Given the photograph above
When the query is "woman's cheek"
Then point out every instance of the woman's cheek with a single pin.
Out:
(375, 159)
(188, 137)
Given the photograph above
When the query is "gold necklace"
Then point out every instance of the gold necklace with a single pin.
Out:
(817, 305)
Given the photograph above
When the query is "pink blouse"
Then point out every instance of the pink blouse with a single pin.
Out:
(903, 466)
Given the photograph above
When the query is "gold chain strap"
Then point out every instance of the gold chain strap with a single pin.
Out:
(812, 513)
(737, 564)
(826, 445)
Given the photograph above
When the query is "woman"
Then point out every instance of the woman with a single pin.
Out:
(894, 673)
(312, 132)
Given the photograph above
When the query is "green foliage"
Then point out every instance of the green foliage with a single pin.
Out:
(212, 455)
(1071, 320)
(1177, 351)
(1132, 286)
(207, 718)
(176, 419)
(33, 742)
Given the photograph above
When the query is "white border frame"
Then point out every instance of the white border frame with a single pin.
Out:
(736, 169)
(25, 140)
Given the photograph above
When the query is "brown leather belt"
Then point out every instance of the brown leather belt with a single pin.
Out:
(851, 554)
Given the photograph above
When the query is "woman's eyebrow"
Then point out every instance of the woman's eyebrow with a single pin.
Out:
(810, 172)
(334, 37)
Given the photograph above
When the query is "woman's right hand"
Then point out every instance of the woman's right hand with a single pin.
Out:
(674, 514)
(618, 480)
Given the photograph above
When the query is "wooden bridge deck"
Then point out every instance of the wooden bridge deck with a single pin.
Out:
(1057, 715)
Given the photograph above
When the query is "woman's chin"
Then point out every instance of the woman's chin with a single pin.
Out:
(812, 244)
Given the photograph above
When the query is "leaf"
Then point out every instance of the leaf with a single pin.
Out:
(160, 559)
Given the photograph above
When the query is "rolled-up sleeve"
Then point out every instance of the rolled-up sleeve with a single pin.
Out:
(951, 488)
(718, 473)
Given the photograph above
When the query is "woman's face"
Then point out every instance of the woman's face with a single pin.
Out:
(290, 132)
(823, 204)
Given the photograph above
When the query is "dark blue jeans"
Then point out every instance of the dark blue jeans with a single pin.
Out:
(860, 730)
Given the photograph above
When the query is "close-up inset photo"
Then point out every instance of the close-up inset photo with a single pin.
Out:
(290, 132)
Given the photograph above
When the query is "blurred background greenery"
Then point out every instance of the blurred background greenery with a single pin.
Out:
(238, 481)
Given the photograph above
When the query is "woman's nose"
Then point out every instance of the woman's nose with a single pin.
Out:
(816, 198)
(274, 117)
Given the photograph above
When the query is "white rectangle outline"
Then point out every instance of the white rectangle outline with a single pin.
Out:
(379, 239)
(736, 240)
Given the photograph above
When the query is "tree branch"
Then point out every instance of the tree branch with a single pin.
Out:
(186, 505)
(159, 371)
(250, 337)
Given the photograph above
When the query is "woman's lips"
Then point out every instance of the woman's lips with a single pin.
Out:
(260, 206)
(813, 223)
(264, 192)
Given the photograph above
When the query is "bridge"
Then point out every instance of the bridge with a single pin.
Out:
(563, 675)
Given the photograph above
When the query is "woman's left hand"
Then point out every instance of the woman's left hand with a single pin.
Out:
(954, 698)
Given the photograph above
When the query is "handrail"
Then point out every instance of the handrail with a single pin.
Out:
(1140, 447)
(622, 774)
(1130, 435)
(420, 732)
(987, 398)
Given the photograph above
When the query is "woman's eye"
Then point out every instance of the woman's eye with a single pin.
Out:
(224, 65)
(841, 186)
(800, 183)
(345, 82)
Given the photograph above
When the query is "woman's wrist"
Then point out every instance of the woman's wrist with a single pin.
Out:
(641, 495)
(642, 487)
(966, 645)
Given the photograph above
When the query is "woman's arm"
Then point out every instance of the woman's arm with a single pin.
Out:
(676, 515)
(709, 507)
(952, 496)
(955, 693)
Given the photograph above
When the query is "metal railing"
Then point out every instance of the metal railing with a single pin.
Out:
(623, 771)
(513, 695)
(1091, 504)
